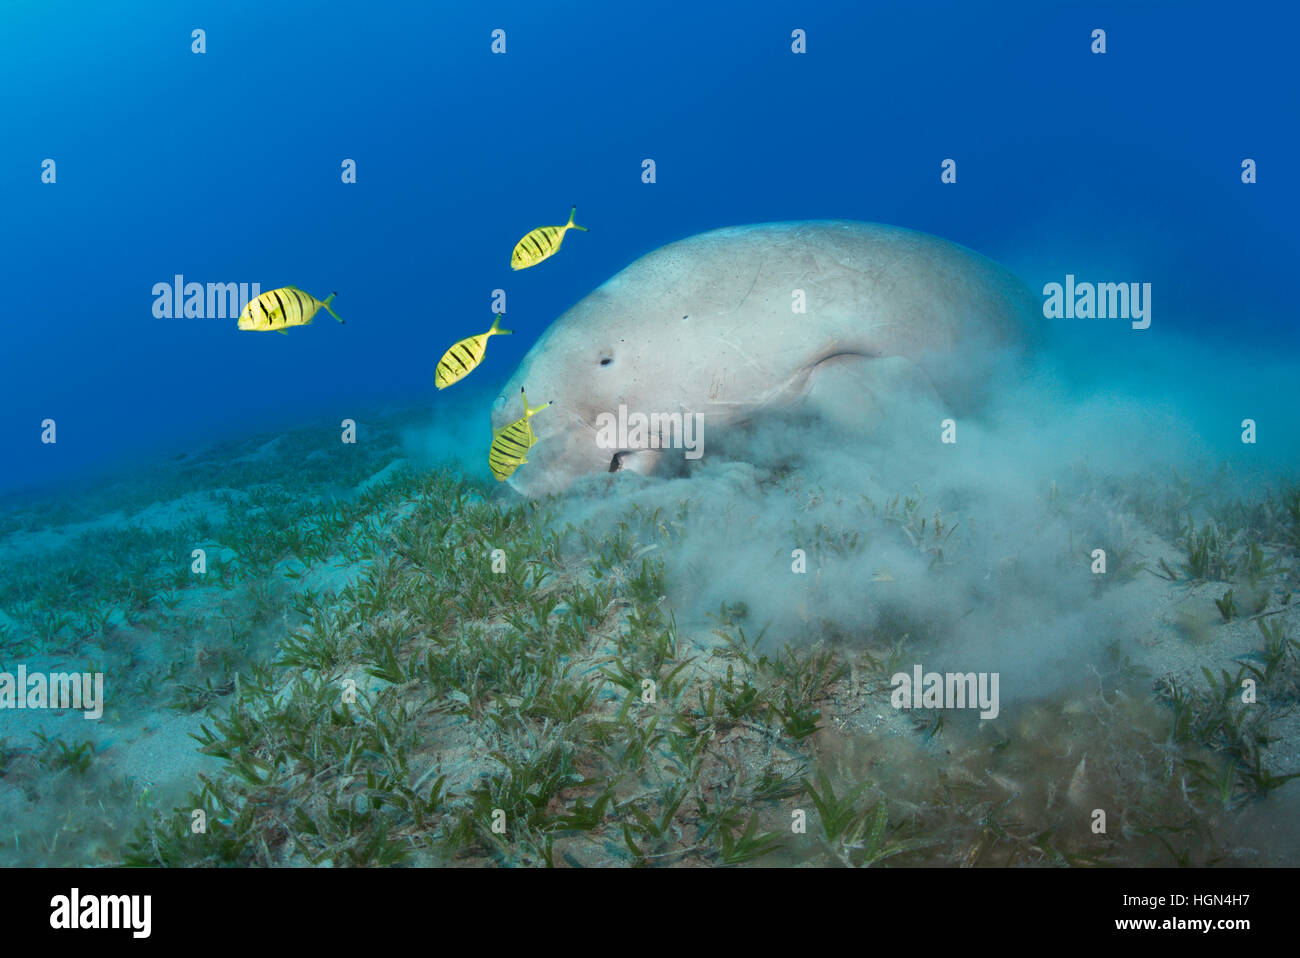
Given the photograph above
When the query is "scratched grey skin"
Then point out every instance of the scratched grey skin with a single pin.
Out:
(893, 321)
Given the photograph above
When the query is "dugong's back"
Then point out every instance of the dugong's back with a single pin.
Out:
(852, 287)
(843, 267)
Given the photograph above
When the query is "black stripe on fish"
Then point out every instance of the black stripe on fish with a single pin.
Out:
(511, 435)
(517, 447)
(513, 444)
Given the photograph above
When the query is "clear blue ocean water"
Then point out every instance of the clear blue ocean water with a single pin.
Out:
(225, 166)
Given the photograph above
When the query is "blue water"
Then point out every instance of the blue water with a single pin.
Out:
(225, 167)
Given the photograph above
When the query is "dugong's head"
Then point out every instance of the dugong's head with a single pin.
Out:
(648, 339)
(588, 363)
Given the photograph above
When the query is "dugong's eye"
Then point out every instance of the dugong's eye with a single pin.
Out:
(606, 360)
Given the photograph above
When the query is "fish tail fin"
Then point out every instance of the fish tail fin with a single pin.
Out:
(531, 412)
(572, 213)
(326, 303)
(496, 326)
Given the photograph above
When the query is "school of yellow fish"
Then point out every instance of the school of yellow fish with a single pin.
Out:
(289, 306)
(510, 443)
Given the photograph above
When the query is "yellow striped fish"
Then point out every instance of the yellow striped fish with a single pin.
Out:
(511, 443)
(282, 308)
(542, 242)
(459, 361)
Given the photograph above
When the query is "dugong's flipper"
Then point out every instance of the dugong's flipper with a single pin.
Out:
(864, 394)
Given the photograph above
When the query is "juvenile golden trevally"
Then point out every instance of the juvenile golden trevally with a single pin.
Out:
(542, 242)
(459, 361)
(281, 308)
(511, 443)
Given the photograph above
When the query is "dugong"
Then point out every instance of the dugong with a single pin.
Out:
(852, 321)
